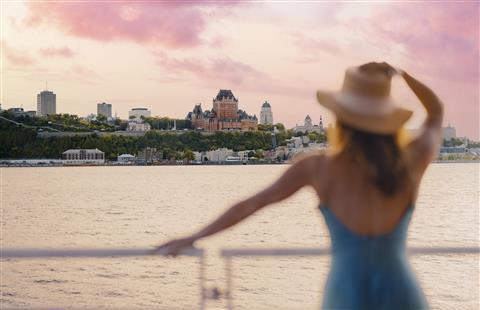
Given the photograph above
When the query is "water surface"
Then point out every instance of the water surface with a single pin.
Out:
(144, 206)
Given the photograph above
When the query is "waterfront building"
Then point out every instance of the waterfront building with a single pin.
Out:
(46, 103)
(104, 109)
(137, 113)
(224, 115)
(83, 156)
(218, 155)
(138, 125)
(149, 155)
(308, 126)
(19, 112)
(266, 115)
(126, 158)
(449, 132)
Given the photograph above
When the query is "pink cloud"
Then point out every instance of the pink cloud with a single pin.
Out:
(441, 39)
(213, 69)
(228, 72)
(56, 52)
(310, 48)
(172, 24)
(17, 57)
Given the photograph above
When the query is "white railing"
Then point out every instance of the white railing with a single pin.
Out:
(227, 254)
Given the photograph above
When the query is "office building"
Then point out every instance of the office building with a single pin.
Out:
(104, 109)
(46, 103)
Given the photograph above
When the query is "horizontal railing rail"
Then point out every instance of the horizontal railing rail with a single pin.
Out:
(325, 251)
(227, 254)
(94, 253)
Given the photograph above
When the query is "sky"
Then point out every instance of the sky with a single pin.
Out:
(170, 55)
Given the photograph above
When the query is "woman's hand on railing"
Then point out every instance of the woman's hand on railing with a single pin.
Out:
(174, 247)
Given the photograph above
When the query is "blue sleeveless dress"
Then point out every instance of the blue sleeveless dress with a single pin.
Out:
(370, 272)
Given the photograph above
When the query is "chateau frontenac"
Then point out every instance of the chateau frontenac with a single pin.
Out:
(224, 115)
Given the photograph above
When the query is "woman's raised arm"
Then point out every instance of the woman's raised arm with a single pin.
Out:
(425, 146)
(298, 175)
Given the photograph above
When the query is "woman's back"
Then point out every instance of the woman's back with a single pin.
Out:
(347, 189)
(368, 232)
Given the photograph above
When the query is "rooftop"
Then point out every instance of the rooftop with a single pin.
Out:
(78, 150)
(266, 105)
(225, 93)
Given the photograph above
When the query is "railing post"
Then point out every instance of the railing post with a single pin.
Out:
(201, 275)
(228, 274)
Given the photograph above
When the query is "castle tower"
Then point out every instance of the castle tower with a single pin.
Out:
(225, 104)
(308, 121)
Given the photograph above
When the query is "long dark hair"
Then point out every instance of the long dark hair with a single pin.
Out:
(382, 155)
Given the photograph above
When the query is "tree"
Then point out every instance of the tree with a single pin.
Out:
(188, 155)
(101, 118)
(265, 127)
(280, 126)
(259, 154)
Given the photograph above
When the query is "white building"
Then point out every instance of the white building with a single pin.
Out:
(308, 126)
(46, 103)
(295, 142)
(449, 132)
(19, 112)
(125, 158)
(138, 126)
(104, 109)
(266, 115)
(137, 113)
(83, 156)
(219, 155)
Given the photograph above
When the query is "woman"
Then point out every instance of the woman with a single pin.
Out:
(367, 188)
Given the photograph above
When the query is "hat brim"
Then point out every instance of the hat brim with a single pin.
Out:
(385, 124)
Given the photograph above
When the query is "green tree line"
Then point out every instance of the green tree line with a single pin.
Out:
(19, 142)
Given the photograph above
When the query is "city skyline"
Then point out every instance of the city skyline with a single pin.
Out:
(151, 57)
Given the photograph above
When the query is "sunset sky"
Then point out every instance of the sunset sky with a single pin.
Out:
(168, 56)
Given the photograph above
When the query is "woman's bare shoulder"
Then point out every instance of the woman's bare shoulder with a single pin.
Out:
(422, 150)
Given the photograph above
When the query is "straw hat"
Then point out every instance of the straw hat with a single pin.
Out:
(364, 103)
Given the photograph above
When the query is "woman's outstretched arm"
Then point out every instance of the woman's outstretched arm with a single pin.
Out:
(298, 175)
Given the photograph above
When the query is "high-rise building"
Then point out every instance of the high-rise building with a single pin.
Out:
(46, 103)
(137, 113)
(266, 115)
(104, 109)
(449, 132)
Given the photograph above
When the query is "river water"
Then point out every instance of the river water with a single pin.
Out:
(82, 207)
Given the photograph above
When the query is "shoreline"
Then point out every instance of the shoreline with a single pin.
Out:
(114, 164)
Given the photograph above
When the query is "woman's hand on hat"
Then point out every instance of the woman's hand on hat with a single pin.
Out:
(385, 67)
